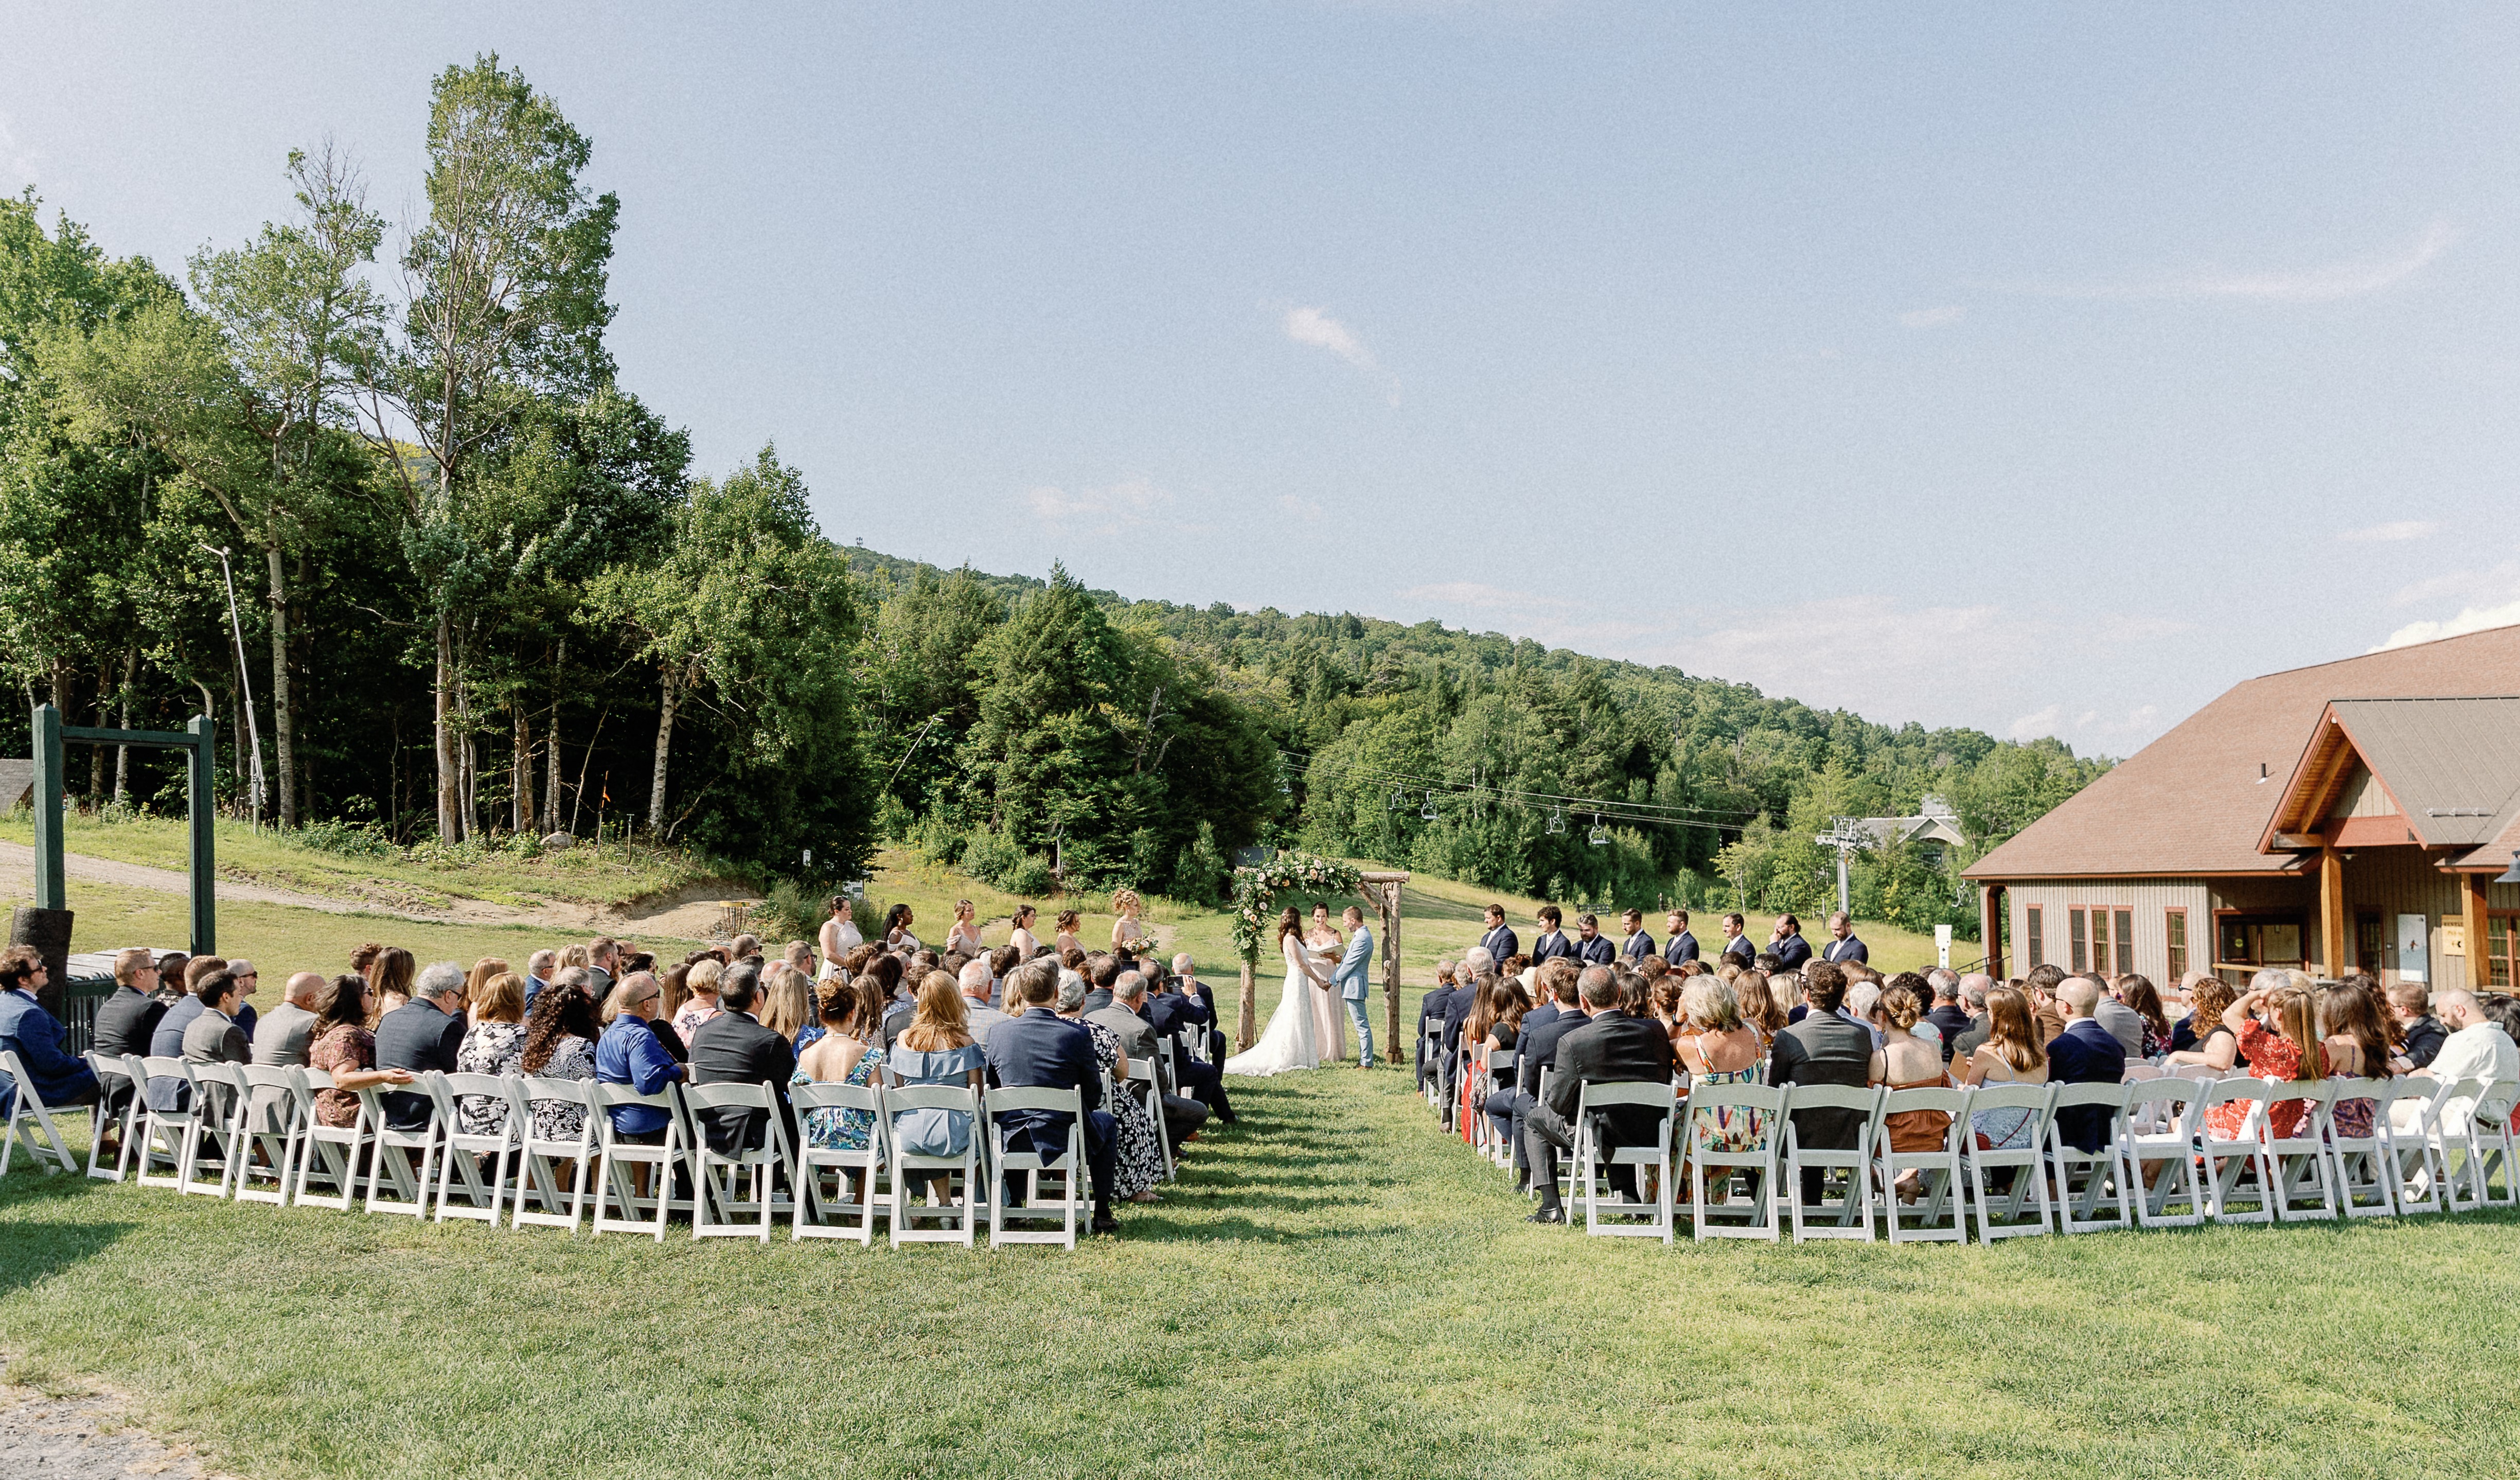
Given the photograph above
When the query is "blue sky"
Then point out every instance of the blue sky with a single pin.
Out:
(2043, 369)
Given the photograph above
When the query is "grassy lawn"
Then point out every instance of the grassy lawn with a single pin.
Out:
(410, 878)
(1333, 1289)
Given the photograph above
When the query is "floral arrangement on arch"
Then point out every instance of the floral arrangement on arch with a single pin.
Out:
(1256, 891)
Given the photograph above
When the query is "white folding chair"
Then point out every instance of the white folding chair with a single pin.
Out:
(164, 1135)
(813, 1207)
(2415, 1176)
(459, 1165)
(337, 1149)
(2094, 1189)
(1758, 1211)
(1142, 1070)
(28, 1115)
(542, 1158)
(953, 1222)
(2304, 1192)
(1854, 1206)
(2161, 1118)
(225, 1115)
(721, 1206)
(1065, 1169)
(2359, 1165)
(2241, 1153)
(619, 1164)
(2455, 1145)
(110, 1070)
(272, 1118)
(1651, 1219)
(214, 1118)
(390, 1152)
(1501, 1074)
(2498, 1143)
(1432, 1051)
(1939, 1191)
(2025, 1157)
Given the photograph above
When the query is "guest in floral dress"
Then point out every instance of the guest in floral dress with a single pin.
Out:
(2137, 992)
(845, 1053)
(702, 982)
(344, 1048)
(559, 1044)
(1138, 1163)
(494, 1045)
(2278, 1054)
(1716, 1047)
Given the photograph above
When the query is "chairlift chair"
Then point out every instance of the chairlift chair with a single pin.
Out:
(1556, 820)
(1600, 836)
(1429, 811)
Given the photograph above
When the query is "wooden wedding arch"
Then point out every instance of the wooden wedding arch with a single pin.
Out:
(1381, 889)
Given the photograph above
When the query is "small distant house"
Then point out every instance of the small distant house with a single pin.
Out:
(2352, 816)
(17, 784)
(1933, 832)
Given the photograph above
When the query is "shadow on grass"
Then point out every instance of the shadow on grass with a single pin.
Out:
(34, 1251)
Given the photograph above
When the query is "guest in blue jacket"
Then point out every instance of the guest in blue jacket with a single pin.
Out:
(628, 1053)
(35, 1036)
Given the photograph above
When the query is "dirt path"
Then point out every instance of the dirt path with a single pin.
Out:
(82, 1437)
(684, 915)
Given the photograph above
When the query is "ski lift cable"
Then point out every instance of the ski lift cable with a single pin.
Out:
(1509, 793)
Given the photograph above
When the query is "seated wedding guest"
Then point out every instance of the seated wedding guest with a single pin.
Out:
(248, 978)
(422, 1034)
(788, 1007)
(1101, 982)
(2421, 1033)
(1948, 1018)
(2217, 1047)
(1559, 1012)
(363, 961)
(604, 958)
(2040, 985)
(702, 982)
(559, 1044)
(1824, 1048)
(1861, 996)
(1906, 1061)
(630, 1054)
(169, 1093)
(346, 1049)
(170, 980)
(1037, 1049)
(2355, 1046)
(539, 968)
(1187, 1020)
(936, 1049)
(1430, 1009)
(124, 1022)
(1609, 1048)
(733, 1048)
(483, 970)
(55, 1075)
(390, 981)
(495, 1044)
(2478, 1047)
(1001, 960)
(2276, 1028)
(1137, 1159)
(979, 983)
(2121, 1021)
(284, 1040)
(214, 1036)
(1762, 1010)
(1718, 1045)
(847, 1052)
(2012, 1054)
(2085, 1052)
(2140, 997)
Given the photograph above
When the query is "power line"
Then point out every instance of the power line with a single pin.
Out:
(1600, 810)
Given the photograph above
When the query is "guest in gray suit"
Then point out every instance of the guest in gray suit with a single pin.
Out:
(214, 1037)
(287, 1033)
(1126, 1018)
(1824, 1048)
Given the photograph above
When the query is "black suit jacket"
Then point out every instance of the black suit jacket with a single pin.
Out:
(1679, 948)
(1824, 1048)
(2424, 1039)
(124, 1021)
(2084, 1053)
(418, 1037)
(1953, 1020)
(1794, 951)
(733, 1049)
(1612, 1047)
(1551, 946)
(1537, 1048)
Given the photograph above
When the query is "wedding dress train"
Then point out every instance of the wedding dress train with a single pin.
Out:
(1292, 1041)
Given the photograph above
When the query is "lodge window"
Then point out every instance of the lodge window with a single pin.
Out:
(2369, 944)
(2260, 940)
(2174, 926)
(2081, 941)
(2038, 940)
(2501, 949)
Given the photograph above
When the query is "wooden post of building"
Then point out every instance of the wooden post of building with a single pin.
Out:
(1991, 923)
(1246, 1014)
(1383, 891)
(2480, 970)
(2331, 909)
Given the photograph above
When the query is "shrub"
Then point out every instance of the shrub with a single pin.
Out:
(994, 858)
(939, 842)
(789, 911)
(347, 839)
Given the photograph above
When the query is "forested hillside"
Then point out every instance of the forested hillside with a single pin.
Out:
(481, 596)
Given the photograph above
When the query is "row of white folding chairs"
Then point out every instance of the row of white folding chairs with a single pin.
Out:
(2160, 1161)
(252, 1133)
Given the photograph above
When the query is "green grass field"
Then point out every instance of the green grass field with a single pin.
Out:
(1333, 1289)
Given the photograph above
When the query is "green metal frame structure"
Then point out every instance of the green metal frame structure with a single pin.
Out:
(197, 738)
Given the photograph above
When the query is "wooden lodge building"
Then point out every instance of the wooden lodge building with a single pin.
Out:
(2353, 814)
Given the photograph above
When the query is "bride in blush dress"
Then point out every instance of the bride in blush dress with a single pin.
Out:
(1292, 1039)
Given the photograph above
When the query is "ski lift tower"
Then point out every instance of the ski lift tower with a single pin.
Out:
(1846, 835)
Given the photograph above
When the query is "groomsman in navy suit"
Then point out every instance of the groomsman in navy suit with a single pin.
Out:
(1680, 946)
(1499, 940)
(1594, 948)
(1552, 942)
(1638, 945)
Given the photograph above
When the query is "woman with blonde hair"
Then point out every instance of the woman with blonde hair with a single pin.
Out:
(1127, 928)
(2011, 1054)
(964, 936)
(701, 981)
(483, 970)
(574, 955)
(495, 1044)
(788, 1007)
(1717, 1045)
(936, 1049)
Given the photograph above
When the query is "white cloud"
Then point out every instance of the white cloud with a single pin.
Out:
(2390, 532)
(1311, 325)
(1103, 509)
(1308, 510)
(2469, 619)
(2472, 587)
(2350, 279)
(1933, 318)
(16, 161)
(2032, 726)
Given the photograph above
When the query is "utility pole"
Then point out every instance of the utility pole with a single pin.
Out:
(245, 679)
(1845, 838)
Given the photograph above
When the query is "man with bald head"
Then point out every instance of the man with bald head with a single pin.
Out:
(281, 1041)
(2477, 1049)
(2084, 1054)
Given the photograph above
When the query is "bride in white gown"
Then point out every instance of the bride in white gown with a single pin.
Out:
(1292, 1041)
